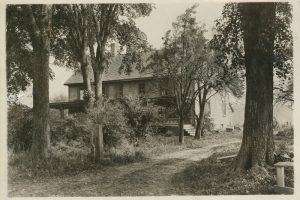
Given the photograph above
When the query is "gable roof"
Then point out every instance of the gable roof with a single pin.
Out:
(111, 74)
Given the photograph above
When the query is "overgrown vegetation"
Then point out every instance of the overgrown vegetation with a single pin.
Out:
(209, 177)
(126, 124)
(19, 127)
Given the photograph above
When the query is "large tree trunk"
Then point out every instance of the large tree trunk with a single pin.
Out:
(181, 130)
(98, 85)
(40, 37)
(88, 97)
(257, 145)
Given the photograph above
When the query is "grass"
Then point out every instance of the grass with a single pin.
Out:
(67, 160)
(205, 177)
(160, 144)
(208, 176)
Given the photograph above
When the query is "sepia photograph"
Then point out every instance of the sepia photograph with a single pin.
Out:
(170, 98)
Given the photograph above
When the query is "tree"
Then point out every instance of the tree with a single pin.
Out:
(38, 26)
(19, 58)
(115, 23)
(19, 54)
(70, 46)
(256, 36)
(180, 63)
(212, 79)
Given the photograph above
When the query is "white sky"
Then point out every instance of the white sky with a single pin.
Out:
(155, 27)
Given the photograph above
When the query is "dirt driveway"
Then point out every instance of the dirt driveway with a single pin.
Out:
(152, 177)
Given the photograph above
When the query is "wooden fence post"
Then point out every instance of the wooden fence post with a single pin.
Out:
(98, 143)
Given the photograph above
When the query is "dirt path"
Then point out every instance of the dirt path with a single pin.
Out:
(152, 177)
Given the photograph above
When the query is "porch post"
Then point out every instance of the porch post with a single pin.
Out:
(62, 113)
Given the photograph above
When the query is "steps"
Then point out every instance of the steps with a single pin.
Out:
(189, 128)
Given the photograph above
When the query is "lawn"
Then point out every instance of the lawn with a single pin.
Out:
(142, 174)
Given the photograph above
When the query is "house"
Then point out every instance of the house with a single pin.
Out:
(134, 84)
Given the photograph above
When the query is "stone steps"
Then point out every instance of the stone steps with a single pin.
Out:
(189, 129)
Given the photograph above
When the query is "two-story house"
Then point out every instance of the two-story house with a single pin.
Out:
(134, 84)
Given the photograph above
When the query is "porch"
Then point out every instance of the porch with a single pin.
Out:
(71, 106)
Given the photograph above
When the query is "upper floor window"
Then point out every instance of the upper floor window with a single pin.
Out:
(142, 88)
(81, 94)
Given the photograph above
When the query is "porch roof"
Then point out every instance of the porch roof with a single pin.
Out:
(67, 105)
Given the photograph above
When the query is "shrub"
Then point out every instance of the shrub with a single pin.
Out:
(286, 133)
(142, 117)
(208, 124)
(74, 130)
(110, 114)
(20, 125)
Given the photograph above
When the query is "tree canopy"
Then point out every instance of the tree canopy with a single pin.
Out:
(228, 40)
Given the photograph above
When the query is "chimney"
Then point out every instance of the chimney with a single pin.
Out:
(113, 49)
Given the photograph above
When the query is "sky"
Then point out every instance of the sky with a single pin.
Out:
(155, 26)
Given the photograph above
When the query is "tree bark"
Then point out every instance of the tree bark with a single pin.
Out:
(202, 102)
(257, 145)
(181, 130)
(40, 38)
(84, 65)
(98, 85)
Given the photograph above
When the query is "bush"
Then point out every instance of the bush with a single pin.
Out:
(110, 114)
(143, 118)
(124, 121)
(127, 118)
(20, 125)
(286, 133)
(74, 130)
(208, 124)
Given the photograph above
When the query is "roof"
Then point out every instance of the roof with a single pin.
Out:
(112, 73)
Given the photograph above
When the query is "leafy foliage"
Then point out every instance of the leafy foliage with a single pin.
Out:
(19, 58)
(181, 60)
(111, 115)
(143, 118)
(70, 28)
(19, 50)
(20, 125)
(228, 40)
(73, 131)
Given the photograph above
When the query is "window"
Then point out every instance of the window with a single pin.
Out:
(163, 91)
(120, 90)
(81, 94)
(141, 88)
(104, 91)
